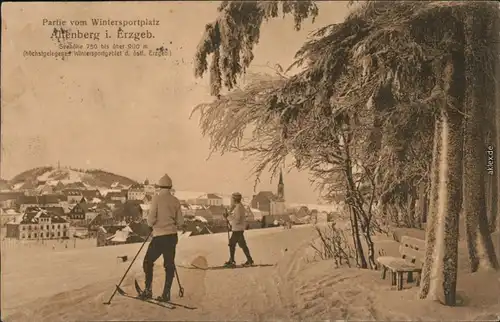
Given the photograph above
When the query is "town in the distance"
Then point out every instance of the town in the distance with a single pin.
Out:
(62, 203)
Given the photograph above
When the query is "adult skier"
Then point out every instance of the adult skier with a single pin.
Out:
(237, 223)
(164, 218)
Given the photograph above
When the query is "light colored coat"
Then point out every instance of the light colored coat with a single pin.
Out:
(165, 215)
(237, 218)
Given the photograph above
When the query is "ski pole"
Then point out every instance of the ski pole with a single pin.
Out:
(181, 289)
(227, 225)
(130, 266)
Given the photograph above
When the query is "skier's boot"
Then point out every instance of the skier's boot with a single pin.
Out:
(146, 294)
(249, 261)
(169, 277)
(230, 263)
(165, 297)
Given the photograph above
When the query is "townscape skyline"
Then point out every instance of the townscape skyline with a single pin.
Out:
(271, 187)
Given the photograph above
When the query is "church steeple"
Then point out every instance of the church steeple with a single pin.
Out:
(281, 187)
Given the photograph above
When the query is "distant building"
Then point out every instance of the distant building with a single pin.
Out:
(25, 202)
(9, 199)
(209, 199)
(38, 223)
(136, 192)
(117, 196)
(73, 195)
(8, 215)
(263, 200)
(269, 203)
(213, 199)
(59, 211)
(101, 220)
(77, 213)
(91, 195)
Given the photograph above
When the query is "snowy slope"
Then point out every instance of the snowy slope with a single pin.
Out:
(44, 288)
(70, 177)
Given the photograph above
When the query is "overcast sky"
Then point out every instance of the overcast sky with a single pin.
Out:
(128, 115)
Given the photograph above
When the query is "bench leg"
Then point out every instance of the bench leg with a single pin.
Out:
(393, 277)
(400, 280)
(384, 272)
(410, 277)
(418, 278)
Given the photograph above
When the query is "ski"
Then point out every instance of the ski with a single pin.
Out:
(151, 301)
(227, 267)
(139, 291)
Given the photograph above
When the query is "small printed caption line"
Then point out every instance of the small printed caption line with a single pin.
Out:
(159, 52)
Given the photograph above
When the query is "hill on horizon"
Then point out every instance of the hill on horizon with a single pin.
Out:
(95, 178)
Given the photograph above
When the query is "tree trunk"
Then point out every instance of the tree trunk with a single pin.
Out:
(444, 265)
(443, 270)
(431, 220)
(420, 206)
(495, 218)
(412, 214)
(481, 250)
(490, 192)
(360, 255)
(491, 175)
(370, 245)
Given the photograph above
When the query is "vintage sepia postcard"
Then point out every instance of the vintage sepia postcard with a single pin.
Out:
(250, 161)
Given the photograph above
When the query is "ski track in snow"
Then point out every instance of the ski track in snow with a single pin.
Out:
(234, 294)
(73, 285)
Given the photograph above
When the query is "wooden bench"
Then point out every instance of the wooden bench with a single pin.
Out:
(412, 252)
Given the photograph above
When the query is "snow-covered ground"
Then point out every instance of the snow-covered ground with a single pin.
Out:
(71, 284)
(186, 195)
(327, 208)
(17, 185)
(69, 175)
(45, 176)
